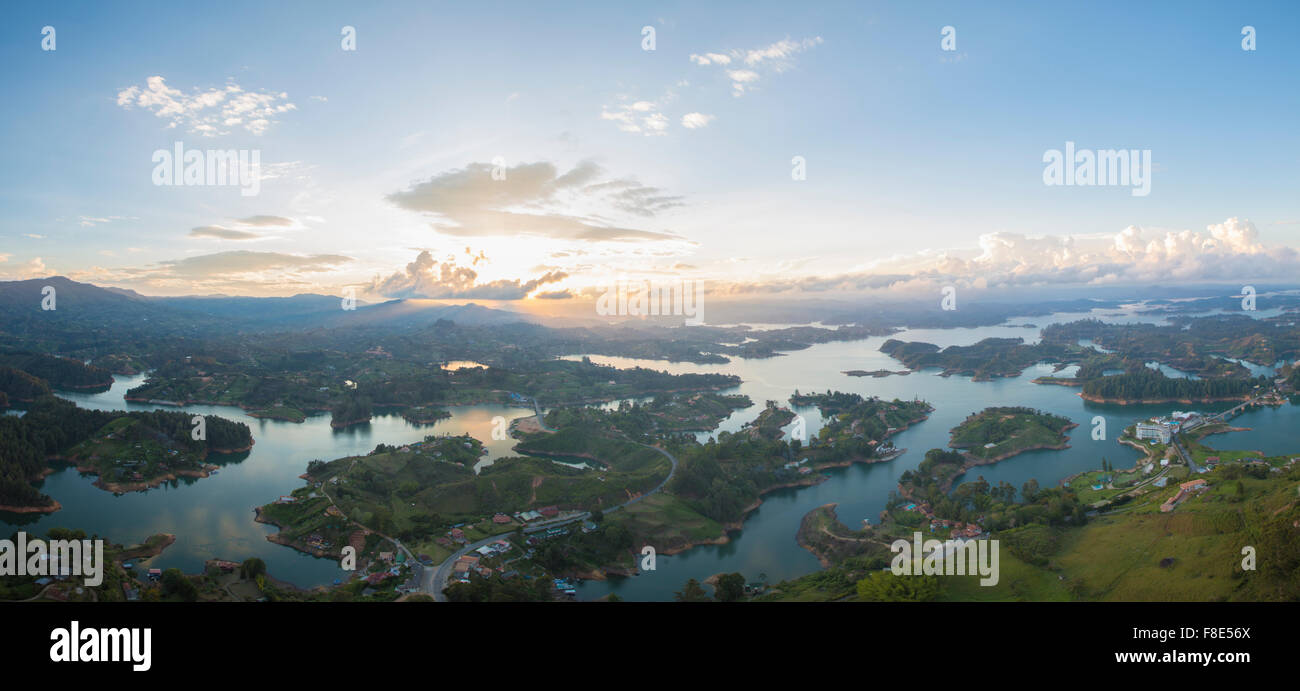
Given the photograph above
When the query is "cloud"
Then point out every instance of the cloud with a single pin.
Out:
(207, 113)
(222, 233)
(640, 117)
(265, 221)
(711, 59)
(427, 278)
(780, 52)
(244, 228)
(91, 221)
(565, 294)
(532, 199)
(244, 262)
(633, 197)
(32, 268)
(236, 272)
(694, 121)
(1228, 252)
(775, 58)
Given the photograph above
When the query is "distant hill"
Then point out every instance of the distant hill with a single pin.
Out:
(83, 310)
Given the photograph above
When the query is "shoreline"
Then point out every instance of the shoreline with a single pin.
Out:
(1158, 401)
(56, 506)
(278, 538)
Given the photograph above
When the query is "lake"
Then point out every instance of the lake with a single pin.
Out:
(213, 517)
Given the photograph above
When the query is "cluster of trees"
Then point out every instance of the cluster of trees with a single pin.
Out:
(497, 589)
(60, 372)
(351, 410)
(992, 506)
(884, 586)
(53, 425)
(177, 585)
(1149, 384)
(17, 385)
(704, 484)
(728, 587)
(991, 357)
(21, 461)
(607, 544)
(995, 425)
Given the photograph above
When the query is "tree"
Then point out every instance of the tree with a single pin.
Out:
(730, 587)
(252, 568)
(691, 592)
(175, 583)
(884, 586)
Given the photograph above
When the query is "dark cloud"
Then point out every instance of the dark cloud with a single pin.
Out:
(555, 295)
(427, 278)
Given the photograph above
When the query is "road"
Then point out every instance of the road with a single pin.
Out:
(1220, 417)
(434, 580)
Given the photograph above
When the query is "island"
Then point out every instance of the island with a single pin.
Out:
(998, 433)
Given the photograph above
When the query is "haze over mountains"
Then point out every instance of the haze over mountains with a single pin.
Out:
(87, 309)
(85, 305)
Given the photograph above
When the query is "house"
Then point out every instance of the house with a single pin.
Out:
(500, 518)
(457, 534)
(1183, 490)
(549, 511)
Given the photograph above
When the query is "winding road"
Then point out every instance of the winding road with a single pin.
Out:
(434, 580)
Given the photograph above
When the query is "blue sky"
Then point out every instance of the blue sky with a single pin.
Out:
(920, 162)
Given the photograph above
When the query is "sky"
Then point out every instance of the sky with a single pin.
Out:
(535, 151)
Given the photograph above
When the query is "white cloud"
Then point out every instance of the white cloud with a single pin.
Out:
(775, 58)
(208, 113)
(33, 268)
(711, 59)
(692, 121)
(640, 117)
(91, 221)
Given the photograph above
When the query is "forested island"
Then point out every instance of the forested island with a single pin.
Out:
(1145, 385)
(998, 433)
(128, 450)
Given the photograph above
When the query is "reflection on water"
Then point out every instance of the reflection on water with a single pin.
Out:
(213, 517)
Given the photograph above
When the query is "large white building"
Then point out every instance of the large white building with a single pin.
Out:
(1154, 430)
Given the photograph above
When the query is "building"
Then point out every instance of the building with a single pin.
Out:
(1154, 430)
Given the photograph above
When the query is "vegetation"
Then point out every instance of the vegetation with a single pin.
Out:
(1000, 432)
(1149, 385)
(117, 445)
